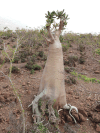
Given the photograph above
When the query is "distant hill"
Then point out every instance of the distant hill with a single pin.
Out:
(10, 23)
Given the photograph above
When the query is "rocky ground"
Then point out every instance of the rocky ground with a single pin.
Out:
(79, 58)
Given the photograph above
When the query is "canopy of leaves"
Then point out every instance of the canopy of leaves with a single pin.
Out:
(52, 15)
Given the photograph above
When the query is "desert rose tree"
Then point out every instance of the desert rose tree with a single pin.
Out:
(52, 85)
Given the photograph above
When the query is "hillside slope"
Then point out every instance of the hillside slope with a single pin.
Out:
(82, 79)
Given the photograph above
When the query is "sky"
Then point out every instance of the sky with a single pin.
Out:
(84, 14)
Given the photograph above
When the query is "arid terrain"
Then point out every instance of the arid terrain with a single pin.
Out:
(82, 79)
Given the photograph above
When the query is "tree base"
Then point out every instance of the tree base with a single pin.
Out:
(42, 105)
(44, 115)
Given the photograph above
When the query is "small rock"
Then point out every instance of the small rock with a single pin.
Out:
(97, 128)
(76, 97)
(83, 67)
(90, 113)
(83, 112)
(96, 117)
(7, 100)
(18, 117)
(2, 99)
(70, 51)
(0, 120)
(82, 118)
(69, 119)
(3, 128)
(28, 82)
(16, 100)
(23, 84)
(4, 37)
(22, 91)
(98, 107)
(6, 95)
(28, 91)
(97, 72)
(90, 98)
(12, 99)
(70, 92)
(6, 86)
(7, 120)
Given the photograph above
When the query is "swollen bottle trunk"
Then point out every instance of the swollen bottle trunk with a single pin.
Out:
(53, 75)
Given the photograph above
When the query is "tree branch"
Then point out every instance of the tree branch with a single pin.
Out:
(47, 40)
(34, 105)
(8, 77)
(58, 32)
(51, 36)
(61, 25)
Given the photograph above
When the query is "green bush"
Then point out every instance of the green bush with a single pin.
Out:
(66, 62)
(14, 46)
(69, 69)
(1, 33)
(23, 45)
(29, 65)
(40, 44)
(81, 48)
(23, 60)
(42, 128)
(32, 71)
(81, 60)
(73, 58)
(7, 33)
(85, 78)
(41, 53)
(15, 69)
(97, 51)
(23, 55)
(1, 48)
(16, 59)
(6, 60)
(64, 48)
(71, 61)
(36, 67)
(70, 80)
(1, 41)
(44, 58)
(61, 38)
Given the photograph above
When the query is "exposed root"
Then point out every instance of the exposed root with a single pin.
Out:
(42, 106)
(36, 113)
(52, 116)
(68, 106)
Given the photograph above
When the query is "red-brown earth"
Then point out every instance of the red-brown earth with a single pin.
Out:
(85, 96)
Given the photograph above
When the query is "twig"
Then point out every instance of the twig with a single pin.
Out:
(18, 99)
(9, 77)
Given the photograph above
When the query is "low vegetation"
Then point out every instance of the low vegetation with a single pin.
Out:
(15, 69)
(85, 78)
(33, 52)
(97, 51)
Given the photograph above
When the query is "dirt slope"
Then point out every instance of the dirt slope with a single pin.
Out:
(79, 57)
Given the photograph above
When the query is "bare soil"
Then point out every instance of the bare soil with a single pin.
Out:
(85, 96)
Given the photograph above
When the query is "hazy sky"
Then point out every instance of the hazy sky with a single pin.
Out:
(84, 14)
